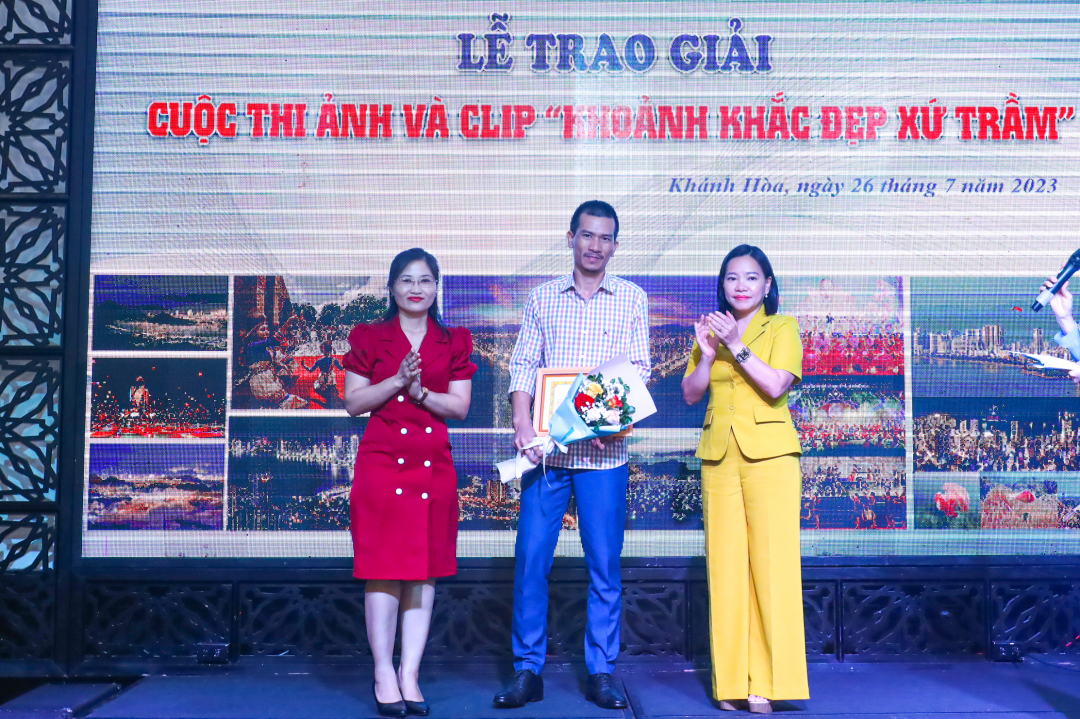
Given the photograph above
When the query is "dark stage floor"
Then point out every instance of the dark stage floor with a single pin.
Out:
(1038, 687)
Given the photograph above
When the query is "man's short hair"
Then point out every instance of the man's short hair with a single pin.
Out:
(596, 208)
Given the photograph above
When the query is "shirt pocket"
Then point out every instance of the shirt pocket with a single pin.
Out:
(764, 414)
(614, 341)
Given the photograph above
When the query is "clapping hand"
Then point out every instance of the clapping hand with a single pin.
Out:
(416, 386)
(725, 328)
(706, 338)
(409, 371)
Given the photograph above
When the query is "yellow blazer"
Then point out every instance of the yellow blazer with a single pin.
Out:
(762, 425)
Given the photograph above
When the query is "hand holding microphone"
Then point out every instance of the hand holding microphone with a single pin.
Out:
(1061, 299)
(1054, 284)
(1055, 292)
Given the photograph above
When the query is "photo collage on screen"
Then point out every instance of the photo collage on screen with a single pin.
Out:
(664, 490)
(157, 403)
(849, 408)
(292, 446)
(215, 403)
(994, 440)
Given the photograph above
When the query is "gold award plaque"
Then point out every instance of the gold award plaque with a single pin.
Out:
(552, 384)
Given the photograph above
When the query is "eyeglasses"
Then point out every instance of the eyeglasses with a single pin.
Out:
(424, 283)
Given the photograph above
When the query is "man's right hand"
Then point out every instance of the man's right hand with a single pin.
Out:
(523, 435)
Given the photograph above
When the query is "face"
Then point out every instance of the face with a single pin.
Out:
(414, 289)
(593, 243)
(745, 285)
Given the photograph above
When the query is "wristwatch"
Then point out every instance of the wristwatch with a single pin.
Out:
(744, 354)
(423, 395)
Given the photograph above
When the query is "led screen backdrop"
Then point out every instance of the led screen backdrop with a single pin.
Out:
(911, 169)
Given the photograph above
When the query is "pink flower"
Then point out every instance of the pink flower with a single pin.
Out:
(953, 500)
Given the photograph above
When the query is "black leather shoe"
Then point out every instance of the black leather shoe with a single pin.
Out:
(390, 709)
(602, 691)
(526, 686)
(419, 709)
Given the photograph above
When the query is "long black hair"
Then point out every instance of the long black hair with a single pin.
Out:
(403, 260)
(772, 297)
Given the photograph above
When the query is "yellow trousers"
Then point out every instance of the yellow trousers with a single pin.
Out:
(754, 560)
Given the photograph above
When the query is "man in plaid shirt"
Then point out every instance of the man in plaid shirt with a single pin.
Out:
(579, 320)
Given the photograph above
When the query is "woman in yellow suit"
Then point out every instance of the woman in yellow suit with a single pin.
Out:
(747, 357)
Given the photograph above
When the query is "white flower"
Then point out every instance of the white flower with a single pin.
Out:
(611, 416)
(593, 414)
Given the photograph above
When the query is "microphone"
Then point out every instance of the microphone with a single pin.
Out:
(1066, 272)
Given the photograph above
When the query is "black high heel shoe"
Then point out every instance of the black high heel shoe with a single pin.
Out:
(420, 709)
(391, 709)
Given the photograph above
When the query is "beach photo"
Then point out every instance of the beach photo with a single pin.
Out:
(156, 486)
(160, 312)
(972, 348)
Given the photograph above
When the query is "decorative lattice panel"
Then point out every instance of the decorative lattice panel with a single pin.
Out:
(35, 112)
(1042, 617)
(25, 22)
(27, 613)
(567, 614)
(154, 620)
(654, 619)
(471, 621)
(27, 542)
(819, 617)
(32, 267)
(913, 618)
(303, 619)
(29, 429)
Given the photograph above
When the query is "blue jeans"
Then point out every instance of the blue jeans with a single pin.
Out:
(601, 504)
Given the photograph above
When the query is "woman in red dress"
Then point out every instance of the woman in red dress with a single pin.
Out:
(411, 373)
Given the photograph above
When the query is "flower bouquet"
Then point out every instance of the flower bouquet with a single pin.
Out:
(595, 406)
(602, 402)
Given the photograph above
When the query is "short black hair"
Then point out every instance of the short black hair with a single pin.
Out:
(596, 208)
(772, 297)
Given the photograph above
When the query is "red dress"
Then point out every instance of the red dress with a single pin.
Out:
(404, 504)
